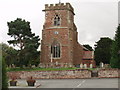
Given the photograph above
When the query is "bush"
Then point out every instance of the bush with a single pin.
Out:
(4, 76)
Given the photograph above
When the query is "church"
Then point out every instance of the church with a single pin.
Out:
(59, 45)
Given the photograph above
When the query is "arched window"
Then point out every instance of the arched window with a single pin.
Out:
(55, 49)
(56, 20)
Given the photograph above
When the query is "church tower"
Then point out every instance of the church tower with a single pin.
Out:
(59, 37)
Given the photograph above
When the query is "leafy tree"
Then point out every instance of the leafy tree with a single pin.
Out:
(102, 50)
(4, 76)
(24, 39)
(36, 60)
(9, 54)
(115, 51)
(88, 47)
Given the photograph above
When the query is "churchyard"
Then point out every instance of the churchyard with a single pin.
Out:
(65, 77)
(62, 62)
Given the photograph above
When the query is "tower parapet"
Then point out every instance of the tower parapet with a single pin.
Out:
(59, 6)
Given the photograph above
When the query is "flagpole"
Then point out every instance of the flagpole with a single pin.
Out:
(59, 1)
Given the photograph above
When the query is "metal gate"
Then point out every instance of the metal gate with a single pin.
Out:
(94, 74)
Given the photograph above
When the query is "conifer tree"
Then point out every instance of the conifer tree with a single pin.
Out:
(24, 39)
(115, 50)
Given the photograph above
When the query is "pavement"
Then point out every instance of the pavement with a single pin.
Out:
(70, 83)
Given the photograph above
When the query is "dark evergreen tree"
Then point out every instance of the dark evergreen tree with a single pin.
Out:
(115, 51)
(27, 42)
(4, 76)
(102, 50)
(88, 47)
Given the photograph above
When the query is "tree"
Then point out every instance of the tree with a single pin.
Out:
(30, 51)
(9, 54)
(88, 47)
(102, 50)
(20, 31)
(36, 60)
(24, 39)
(115, 50)
(4, 76)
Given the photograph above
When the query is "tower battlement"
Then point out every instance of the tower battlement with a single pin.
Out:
(58, 6)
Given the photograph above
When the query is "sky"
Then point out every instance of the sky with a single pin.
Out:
(94, 18)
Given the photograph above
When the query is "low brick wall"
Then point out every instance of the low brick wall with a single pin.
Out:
(66, 74)
(109, 73)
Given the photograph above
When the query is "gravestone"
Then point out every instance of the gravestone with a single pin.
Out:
(70, 65)
(81, 65)
(85, 66)
(56, 63)
(24, 66)
(62, 64)
(40, 65)
(91, 66)
(13, 66)
(66, 65)
(101, 64)
(10, 66)
(33, 66)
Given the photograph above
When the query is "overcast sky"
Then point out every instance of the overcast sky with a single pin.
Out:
(93, 18)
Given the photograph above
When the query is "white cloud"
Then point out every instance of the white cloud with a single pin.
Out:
(94, 18)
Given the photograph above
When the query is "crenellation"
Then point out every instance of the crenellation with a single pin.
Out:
(51, 5)
(59, 6)
(46, 5)
(62, 4)
(67, 3)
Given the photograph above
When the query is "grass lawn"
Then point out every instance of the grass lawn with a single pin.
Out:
(38, 69)
(43, 69)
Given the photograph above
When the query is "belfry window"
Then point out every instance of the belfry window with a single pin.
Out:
(56, 20)
(55, 49)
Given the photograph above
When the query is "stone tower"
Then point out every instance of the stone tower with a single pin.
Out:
(59, 46)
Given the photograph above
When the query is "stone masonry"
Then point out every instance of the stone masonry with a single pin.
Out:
(109, 73)
(65, 74)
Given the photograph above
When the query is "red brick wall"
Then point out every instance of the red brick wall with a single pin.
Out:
(63, 37)
(78, 54)
(71, 51)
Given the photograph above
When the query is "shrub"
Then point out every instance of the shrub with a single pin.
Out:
(4, 76)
